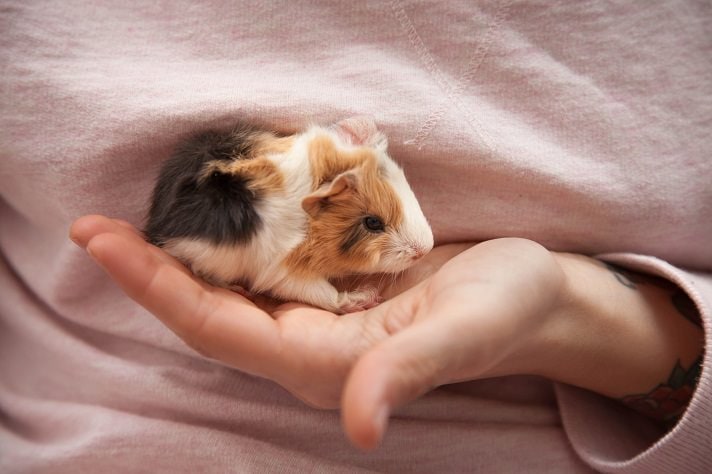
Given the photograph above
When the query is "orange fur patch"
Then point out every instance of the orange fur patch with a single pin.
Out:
(327, 162)
(336, 242)
(268, 143)
(263, 176)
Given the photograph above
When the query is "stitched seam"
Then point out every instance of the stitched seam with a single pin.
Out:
(473, 65)
(417, 42)
(451, 93)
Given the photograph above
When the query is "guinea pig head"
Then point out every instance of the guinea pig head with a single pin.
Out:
(366, 219)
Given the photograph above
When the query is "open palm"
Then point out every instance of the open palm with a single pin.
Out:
(449, 321)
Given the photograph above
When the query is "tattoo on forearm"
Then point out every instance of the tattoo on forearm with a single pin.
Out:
(668, 401)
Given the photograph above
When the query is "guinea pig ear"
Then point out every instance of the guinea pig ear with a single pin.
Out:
(361, 130)
(338, 188)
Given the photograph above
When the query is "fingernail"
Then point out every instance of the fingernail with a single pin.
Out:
(74, 239)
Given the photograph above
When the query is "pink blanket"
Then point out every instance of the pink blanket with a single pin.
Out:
(585, 126)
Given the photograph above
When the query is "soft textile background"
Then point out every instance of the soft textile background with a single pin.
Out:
(582, 125)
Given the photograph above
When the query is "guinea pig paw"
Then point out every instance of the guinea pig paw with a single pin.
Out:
(359, 300)
(242, 291)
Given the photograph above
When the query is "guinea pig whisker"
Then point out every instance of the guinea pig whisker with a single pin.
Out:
(393, 278)
(381, 280)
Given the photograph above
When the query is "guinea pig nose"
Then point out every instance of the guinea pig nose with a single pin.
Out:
(418, 252)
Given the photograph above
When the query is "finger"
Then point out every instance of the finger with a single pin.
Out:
(86, 227)
(128, 226)
(216, 322)
(394, 372)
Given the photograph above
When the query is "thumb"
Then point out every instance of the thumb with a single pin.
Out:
(389, 375)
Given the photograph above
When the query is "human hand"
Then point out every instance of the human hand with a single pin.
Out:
(425, 331)
(501, 307)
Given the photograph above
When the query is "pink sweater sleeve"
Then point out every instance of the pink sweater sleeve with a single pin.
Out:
(611, 438)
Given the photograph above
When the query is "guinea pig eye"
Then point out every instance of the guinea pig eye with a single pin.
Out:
(373, 224)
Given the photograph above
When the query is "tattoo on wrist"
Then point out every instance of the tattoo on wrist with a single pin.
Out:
(679, 298)
(623, 276)
(632, 279)
(667, 401)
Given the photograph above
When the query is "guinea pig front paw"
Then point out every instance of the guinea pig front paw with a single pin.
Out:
(242, 291)
(359, 300)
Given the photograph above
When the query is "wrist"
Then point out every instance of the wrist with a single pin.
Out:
(612, 336)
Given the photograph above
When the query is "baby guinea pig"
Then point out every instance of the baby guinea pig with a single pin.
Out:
(282, 215)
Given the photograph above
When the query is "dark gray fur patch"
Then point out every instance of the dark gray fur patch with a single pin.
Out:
(355, 234)
(219, 208)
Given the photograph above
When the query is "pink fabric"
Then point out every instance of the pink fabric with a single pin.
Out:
(582, 125)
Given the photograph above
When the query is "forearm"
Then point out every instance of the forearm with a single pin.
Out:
(619, 334)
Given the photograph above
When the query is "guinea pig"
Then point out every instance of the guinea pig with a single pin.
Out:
(282, 215)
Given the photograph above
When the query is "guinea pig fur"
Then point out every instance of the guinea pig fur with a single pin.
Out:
(282, 215)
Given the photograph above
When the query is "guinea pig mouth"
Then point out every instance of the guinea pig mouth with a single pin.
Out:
(400, 258)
